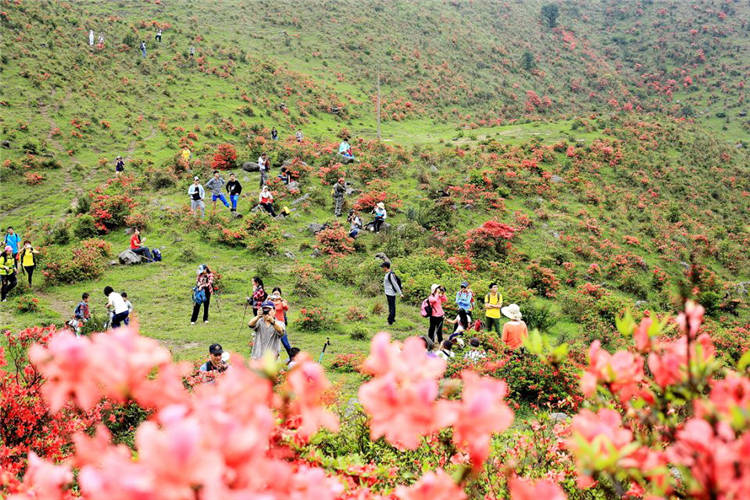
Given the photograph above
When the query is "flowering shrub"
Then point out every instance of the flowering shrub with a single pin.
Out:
(110, 211)
(265, 242)
(350, 362)
(542, 279)
(335, 240)
(232, 238)
(33, 178)
(225, 157)
(490, 241)
(103, 247)
(28, 303)
(312, 319)
(354, 313)
(307, 278)
(84, 263)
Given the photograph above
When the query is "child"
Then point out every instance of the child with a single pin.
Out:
(475, 353)
(292, 354)
(446, 353)
(130, 307)
(462, 322)
(81, 314)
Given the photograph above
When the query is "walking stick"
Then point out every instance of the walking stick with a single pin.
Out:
(243, 316)
(328, 342)
(218, 303)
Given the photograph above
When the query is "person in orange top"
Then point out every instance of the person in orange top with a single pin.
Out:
(515, 330)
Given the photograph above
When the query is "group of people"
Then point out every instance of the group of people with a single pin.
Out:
(16, 257)
(119, 310)
(379, 212)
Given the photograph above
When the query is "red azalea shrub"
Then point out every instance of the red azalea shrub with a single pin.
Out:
(542, 279)
(33, 178)
(312, 319)
(335, 241)
(28, 303)
(103, 247)
(490, 241)
(110, 211)
(82, 264)
(225, 157)
(348, 362)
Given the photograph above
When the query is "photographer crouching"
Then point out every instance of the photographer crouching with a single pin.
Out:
(268, 331)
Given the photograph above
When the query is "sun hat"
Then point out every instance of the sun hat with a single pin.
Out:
(215, 349)
(381, 205)
(196, 178)
(434, 287)
(512, 311)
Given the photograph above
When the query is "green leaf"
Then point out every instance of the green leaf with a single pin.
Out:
(744, 361)
(625, 324)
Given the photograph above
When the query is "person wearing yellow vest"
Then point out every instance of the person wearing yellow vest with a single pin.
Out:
(493, 301)
(28, 260)
(7, 272)
(186, 154)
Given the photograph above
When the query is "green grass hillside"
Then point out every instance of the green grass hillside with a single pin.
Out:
(580, 207)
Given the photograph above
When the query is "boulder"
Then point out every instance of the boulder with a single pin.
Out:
(433, 169)
(5, 144)
(293, 186)
(558, 417)
(128, 258)
(315, 253)
(641, 304)
(556, 179)
(290, 161)
(382, 257)
(288, 235)
(250, 166)
(289, 255)
(315, 228)
(301, 199)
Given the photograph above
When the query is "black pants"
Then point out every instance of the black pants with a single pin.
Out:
(29, 272)
(391, 308)
(118, 319)
(197, 308)
(436, 328)
(268, 207)
(377, 223)
(9, 282)
(493, 323)
(145, 252)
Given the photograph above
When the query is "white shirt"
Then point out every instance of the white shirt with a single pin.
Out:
(117, 303)
(262, 163)
(129, 305)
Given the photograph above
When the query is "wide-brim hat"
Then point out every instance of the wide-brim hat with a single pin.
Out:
(512, 311)
(434, 287)
(380, 205)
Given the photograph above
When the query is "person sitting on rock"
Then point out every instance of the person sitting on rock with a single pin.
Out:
(265, 199)
(355, 223)
(380, 216)
(137, 247)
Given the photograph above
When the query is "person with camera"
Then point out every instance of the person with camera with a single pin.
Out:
(197, 193)
(436, 300)
(205, 283)
(217, 361)
(268, 331)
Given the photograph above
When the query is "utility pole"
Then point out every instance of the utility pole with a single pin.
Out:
(378, 102)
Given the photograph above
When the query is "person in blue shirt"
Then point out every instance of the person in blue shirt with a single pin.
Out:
(345, 149)
(465, 297)
(12, 240)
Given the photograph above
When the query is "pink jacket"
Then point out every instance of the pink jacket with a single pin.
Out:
(436, 302)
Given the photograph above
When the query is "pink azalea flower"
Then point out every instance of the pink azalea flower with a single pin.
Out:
(401, 399)
(668, 362)
(432, 486)
(525, 489)
(308, 383)
(691, 318)
(640, 335)
(43, 480)
(622, 371)
(481, 413)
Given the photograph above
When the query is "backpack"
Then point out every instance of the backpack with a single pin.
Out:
(398, 280)
(426, 308)
(156, 253)
(199, 296)
(78, 312)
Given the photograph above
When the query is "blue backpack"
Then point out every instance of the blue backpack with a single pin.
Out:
(156, 253)
(199, 296)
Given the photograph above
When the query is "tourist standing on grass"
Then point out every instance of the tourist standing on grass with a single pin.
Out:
(136, 245)
(117, 306)
(91, 38)
(465, 297)
(265, 199)
(436, 299)
(158, 35)
(185, 155)
(204, 283)
(143, 48)
(119, 165)
(234, 189)
(268, 332)
(391, 287)
(339, 190)
(281, 307)
(197, 193)
(299, 136)
(263, 167)
(192, 51)
(7, 272)
(259, 294)
(13, 240)
(493, 301)
(27, 259)
(380, 216)
(515, 330)
(215, 184)
(274, 134)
